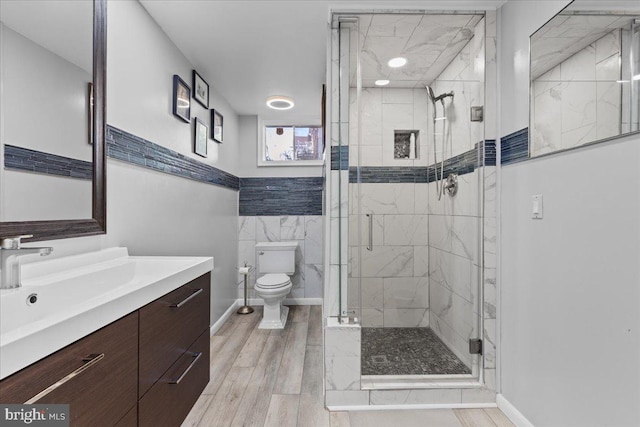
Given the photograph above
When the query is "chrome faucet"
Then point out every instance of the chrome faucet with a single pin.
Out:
(10, 254)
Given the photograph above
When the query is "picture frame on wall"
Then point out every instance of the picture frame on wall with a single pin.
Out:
(201, 135)
(217, 126)
(200, 90)
(181, 99)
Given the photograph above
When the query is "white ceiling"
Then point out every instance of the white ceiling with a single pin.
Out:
(250, 50)
(64, 27)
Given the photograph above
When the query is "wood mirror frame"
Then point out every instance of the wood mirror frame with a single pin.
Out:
(62, 229)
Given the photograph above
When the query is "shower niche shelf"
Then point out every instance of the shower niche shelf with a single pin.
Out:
(405, 144)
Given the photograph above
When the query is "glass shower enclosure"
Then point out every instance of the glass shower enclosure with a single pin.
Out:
(410, 221)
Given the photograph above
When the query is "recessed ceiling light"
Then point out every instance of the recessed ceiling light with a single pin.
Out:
(397, 62)
(381, 82)
(279, 102)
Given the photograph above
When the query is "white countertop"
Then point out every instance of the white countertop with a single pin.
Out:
(80, 294)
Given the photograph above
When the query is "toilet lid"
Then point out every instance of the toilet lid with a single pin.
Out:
(273, 280)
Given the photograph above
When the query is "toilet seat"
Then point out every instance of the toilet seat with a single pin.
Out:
(273, 280)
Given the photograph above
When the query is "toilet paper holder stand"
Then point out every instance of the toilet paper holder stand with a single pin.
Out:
(246, 308)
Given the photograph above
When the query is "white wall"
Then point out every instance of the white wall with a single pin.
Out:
(569, 282)
(248, 155)
(141, 63)
(519, 19)
(150, 212)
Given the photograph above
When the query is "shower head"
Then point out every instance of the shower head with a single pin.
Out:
(434, 98)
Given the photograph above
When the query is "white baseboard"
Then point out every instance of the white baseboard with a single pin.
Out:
(512, 413)
(288, 301)
(410, 407)
(218, 324)
(258, 301)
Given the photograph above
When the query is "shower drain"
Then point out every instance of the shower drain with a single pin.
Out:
(379, 359)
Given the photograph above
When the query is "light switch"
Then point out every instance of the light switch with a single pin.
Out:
(536, 206)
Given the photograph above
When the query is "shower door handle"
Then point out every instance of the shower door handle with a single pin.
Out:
(370, 245)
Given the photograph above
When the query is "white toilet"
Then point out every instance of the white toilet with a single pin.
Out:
(276, 262)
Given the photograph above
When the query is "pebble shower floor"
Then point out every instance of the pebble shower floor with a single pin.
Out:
(407, 351)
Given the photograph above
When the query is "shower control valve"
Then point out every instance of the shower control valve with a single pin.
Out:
(451, 184)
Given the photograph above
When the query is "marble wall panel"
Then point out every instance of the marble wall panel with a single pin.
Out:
(383, 199)
(455, 234)
(452, 272)
(415, 397)
(406, 317)
(405, 230)
(313, 239)
(458, 345)
(305, 230)
(464, 203)
(363, 228)
(387, 261)
(342, 356)
(406, 292)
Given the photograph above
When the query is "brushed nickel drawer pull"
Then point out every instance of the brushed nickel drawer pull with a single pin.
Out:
(90, 361)
(186, 300)
(196, 356)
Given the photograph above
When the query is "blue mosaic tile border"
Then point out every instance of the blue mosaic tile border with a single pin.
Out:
(24, 159)
(339, 158)
(129, 148)
(281, 196)
(490, 152)
(461, 164)
(514, 147)
(388, 174)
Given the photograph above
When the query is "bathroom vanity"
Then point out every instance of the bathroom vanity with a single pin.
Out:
(143, 367)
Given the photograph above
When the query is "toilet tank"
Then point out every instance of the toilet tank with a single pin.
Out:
(276, 257)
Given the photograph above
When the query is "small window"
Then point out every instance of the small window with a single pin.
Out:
(289, 145)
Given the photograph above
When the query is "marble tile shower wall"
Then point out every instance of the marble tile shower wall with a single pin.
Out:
(394, 291)
(578, 100)
(465, 76)
(305, 230)
(394, 274)
(454, 257)
(384, 110)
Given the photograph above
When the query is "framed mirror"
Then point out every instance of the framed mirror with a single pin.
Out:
(585, 76)
(52, 133)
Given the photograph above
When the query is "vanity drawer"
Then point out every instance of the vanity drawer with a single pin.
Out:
(170, 399)
(130, 419)
(102, 392)
(169, 325)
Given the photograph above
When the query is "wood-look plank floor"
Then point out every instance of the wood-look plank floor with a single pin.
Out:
(268, 378)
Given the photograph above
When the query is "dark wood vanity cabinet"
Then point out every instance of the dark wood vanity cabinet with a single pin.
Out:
(168, 327)
(145, 369)
(174, 353)
(102, 376)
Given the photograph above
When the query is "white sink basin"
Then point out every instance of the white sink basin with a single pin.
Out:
(62, 300)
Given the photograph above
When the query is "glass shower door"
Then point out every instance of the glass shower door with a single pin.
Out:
(414, 261)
